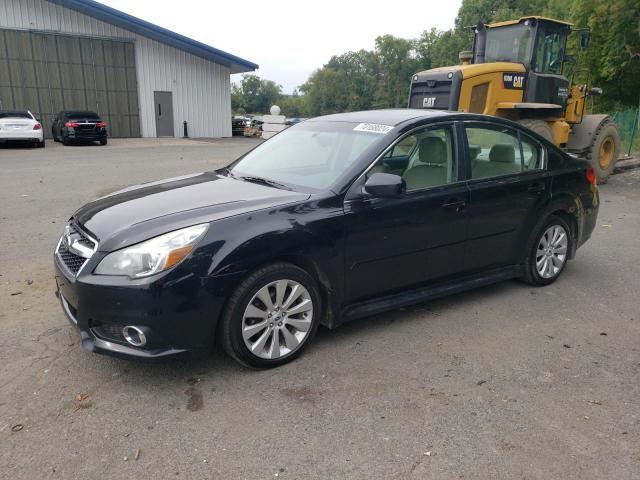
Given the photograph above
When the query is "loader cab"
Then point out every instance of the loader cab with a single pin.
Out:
(537, 43)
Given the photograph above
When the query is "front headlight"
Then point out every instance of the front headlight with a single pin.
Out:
(152, 256)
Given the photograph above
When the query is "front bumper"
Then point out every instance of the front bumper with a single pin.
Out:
(178, 312)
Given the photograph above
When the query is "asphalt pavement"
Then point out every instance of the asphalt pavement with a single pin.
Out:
(508, 381)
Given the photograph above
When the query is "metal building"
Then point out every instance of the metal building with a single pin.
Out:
(142, 79)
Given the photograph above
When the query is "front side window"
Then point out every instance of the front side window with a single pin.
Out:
(496, 151)
(423, 159)
(512, 43)
(549, 52)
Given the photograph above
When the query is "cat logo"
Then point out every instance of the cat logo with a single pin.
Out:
(513, 81)
(428, 102)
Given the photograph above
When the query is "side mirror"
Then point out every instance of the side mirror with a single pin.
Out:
(385, 185)
(584, 39)
(38, 120)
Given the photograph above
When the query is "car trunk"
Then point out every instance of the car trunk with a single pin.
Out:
(16, 124)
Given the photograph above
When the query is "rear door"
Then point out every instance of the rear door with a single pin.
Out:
(508, 187)
(394, 243)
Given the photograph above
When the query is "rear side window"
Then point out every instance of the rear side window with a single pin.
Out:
(496, 151)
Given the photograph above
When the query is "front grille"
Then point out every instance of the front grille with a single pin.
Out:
(438, 92)
(71, 260)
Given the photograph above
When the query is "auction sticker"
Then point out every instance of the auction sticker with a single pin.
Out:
(373, 128)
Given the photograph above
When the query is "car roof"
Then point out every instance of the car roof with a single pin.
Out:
(392, 117)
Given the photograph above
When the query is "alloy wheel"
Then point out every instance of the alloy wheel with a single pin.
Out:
(551, 254)
(278, 319)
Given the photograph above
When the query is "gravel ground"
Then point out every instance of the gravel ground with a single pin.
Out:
(503, 382)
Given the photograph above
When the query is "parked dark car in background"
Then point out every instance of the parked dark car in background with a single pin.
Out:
(76, 127)
(335, 218)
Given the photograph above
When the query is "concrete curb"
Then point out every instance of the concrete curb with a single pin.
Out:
(626, 164)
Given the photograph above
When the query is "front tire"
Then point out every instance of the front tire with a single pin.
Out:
(271, 317)
(549, 253)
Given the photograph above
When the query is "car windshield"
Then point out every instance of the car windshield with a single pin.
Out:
(311, 155)
(509, 44)
(79, 115)
(15, 115)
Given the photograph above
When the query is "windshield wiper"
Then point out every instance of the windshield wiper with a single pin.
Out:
(265, 181)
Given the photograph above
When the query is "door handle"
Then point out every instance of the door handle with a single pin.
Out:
(536, 188)
(454, 204)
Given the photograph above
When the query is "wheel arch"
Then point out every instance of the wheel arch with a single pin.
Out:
(564, 207)
(316, 255)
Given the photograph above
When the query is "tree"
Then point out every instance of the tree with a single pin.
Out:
(397, 63)
(613, 55)
(255, 95)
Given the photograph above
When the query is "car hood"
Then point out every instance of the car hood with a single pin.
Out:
(140, 212)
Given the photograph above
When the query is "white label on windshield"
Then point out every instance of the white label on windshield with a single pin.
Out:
(373, 128)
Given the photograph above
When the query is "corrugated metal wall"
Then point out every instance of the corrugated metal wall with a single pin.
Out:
(201, 89)
(47, 73)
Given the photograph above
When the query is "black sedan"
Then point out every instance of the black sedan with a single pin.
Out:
(79, 127)
(334, 219)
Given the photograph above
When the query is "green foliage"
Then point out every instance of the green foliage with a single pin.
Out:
(254, 95)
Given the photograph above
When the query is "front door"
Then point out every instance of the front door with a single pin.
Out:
(164, 114)
(508, 187)
(393, 243)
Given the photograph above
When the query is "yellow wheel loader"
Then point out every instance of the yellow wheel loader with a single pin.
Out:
(515, 71)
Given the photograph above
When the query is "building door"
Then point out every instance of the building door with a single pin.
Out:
(164, 114)
(48, 73)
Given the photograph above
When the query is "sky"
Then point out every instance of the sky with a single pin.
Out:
(292, 38)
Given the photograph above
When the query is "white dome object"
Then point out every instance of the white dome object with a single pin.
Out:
(275, 110)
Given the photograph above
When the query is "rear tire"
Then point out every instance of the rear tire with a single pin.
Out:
(275, 335)
(103, 141)
(604, 151)
(549, 252)
(540, 127)
(65, 141)
(41, 144)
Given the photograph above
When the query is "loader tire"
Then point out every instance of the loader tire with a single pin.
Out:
(540, 127)
(604, 150)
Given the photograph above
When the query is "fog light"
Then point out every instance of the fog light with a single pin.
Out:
(134, 336)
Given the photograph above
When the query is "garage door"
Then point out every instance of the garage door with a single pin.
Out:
(47, 73)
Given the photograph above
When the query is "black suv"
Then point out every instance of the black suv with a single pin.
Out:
(72, 127)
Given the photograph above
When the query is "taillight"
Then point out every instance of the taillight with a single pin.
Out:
(101, 124)
(591, 176)
(71, 124)
(37, 126)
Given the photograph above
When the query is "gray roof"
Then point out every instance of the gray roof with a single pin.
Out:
(391, 117)
(146, 29)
